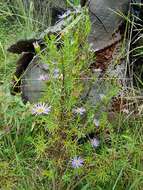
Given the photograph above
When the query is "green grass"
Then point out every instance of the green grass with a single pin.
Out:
(24, 140)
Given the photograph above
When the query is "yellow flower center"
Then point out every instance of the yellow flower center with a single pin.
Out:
(77, 162)
(40, 110)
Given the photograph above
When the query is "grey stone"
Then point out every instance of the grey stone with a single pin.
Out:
(33, 82)
(102, 86)
(105, 21)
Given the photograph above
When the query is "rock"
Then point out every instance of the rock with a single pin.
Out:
(103, 84)
(33, 82)
(105, 21)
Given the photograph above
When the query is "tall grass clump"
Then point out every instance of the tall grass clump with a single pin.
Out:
(29, 19)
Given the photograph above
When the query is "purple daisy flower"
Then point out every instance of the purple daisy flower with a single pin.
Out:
(125, 111)
(96, 122)
(44, 77)
(66, 14)
(77, 162)
(94, 142)
(40, 108)
(56, 73)
(79, 111)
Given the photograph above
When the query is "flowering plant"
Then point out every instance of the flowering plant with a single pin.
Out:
(63, 142)
(66, 117)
